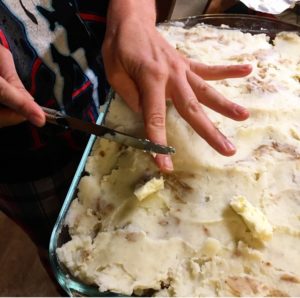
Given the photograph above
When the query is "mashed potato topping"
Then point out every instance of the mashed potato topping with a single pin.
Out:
(182, 237)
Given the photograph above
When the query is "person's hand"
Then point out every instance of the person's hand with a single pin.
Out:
(16, 104)
(145, 70)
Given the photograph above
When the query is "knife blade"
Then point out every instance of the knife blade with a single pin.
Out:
(61, 119)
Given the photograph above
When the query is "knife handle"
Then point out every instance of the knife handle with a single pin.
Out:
(55, 117)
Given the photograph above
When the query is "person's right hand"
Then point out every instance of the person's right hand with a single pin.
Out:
(16, 104)
(144, 69)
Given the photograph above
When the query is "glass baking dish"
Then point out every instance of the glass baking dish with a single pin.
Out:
(60, 235)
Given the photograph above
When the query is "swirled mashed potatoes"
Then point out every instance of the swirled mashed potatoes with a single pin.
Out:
(217, 226)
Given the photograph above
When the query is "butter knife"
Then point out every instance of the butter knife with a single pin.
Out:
(61, 119)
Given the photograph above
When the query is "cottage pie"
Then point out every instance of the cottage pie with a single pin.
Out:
(217, 226)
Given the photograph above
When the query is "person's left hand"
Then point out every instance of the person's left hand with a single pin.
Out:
(145, 70)
(16, 104)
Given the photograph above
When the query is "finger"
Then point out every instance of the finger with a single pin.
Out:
(119, 79)
(127, 89)
(9, 117)
(8, 69)
(154, 109)
(215, 100)
(219, 72)
(21, 102)
(190, 109)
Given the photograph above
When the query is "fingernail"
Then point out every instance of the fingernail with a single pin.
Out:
(238, 110)
(247, 66)
(229, 146)
(37, 120)
(168, 164)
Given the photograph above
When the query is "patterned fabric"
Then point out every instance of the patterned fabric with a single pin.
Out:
(56, 48)
(35, 205)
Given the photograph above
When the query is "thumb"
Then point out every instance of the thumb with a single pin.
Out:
(8, 117)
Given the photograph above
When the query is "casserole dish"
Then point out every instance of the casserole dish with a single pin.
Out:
(60, 235)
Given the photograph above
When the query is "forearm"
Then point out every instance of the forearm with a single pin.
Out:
(219, 6)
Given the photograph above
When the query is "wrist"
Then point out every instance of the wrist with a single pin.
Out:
(132, 10)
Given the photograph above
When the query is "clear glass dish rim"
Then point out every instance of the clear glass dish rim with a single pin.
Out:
(72, 286)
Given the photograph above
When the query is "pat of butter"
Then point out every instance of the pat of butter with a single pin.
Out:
(152, 186)
(255, 220)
